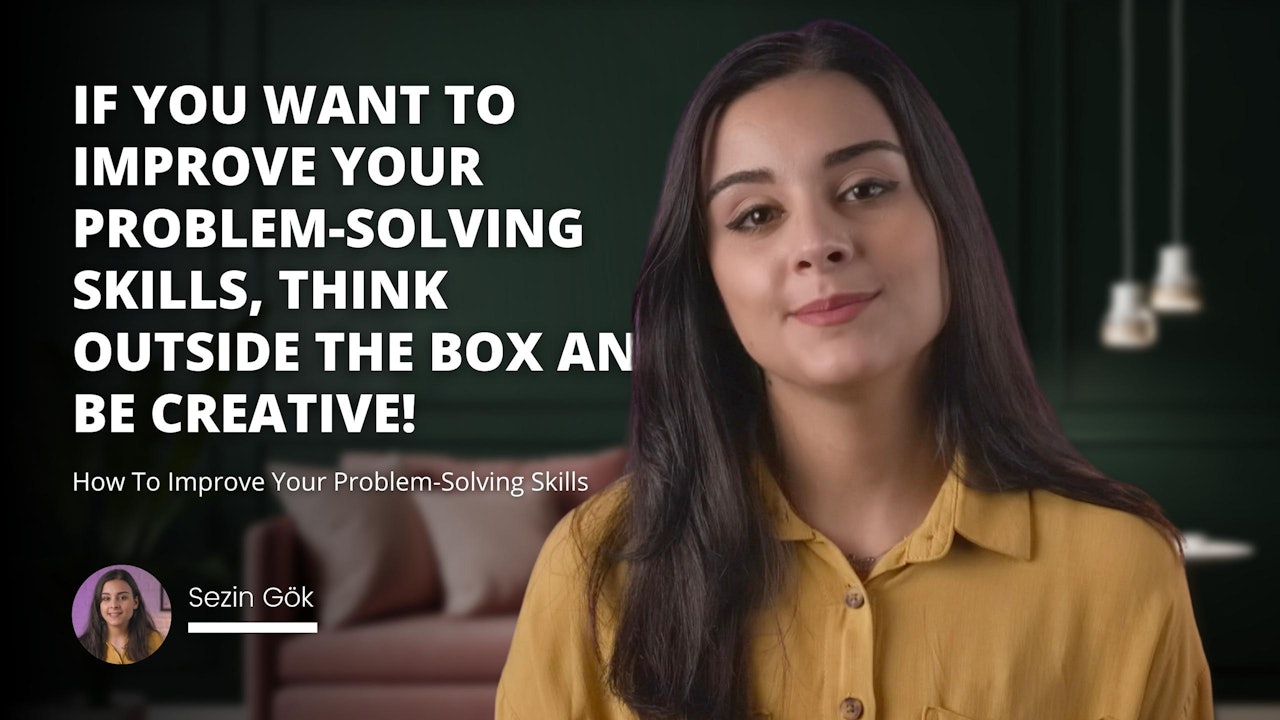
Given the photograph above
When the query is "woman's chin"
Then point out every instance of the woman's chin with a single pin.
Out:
(841, 370)
(842, 373)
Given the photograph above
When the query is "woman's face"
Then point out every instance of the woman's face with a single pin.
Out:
(117, 603)
(825, 254)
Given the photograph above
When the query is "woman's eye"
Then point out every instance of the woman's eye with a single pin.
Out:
(869, 189)
(753, 218)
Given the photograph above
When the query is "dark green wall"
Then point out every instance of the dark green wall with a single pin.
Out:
(1030, 89)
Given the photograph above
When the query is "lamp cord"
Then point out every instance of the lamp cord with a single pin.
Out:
(1126, 135)
(1176, 101)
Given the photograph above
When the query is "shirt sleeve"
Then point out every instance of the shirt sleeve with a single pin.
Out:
(1179, 685)
(552, 670)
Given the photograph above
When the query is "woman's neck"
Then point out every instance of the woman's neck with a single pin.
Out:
(860, 466)
(118, 637)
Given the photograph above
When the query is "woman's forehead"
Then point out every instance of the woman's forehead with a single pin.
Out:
(116, 585)
(793, 123)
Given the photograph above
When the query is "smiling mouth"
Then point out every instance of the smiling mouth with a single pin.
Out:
(834, 309)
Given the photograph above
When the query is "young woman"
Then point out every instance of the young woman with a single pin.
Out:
(848, 497)
(120, 630)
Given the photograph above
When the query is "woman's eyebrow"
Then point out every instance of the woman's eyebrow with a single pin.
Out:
(844, 154)
(831, 159)
(742, 176)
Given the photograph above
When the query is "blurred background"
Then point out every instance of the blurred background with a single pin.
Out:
(1031, 89)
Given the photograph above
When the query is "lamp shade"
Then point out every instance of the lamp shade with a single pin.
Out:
(1175, 290)
(1129, 324)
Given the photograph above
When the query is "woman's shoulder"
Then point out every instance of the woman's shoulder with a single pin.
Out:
(566, 553)
(554, 667)
(595, 513)
(1107, 543)
(1122, 581)
(154, 640)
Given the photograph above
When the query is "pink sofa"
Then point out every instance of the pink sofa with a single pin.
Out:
(421, 661)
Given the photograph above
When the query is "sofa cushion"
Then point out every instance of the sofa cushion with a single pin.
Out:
(422, 648)
(375, 557)
(487, 539)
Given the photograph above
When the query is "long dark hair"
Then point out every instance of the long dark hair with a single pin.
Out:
(699, 549)
(94, 638)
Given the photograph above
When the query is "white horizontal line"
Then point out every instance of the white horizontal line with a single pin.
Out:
(248, 628)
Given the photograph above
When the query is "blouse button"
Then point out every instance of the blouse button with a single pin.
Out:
(854, 599)
(851, 709)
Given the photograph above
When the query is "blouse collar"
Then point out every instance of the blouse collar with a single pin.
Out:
(997, 521)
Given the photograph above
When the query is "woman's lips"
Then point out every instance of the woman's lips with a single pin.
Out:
(834, 309)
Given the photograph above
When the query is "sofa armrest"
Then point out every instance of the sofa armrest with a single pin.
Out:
(273, 557)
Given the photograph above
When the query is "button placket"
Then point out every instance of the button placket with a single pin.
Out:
(858, 648)
(854, 653)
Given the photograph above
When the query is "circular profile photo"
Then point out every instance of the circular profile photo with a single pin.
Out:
(121, 614)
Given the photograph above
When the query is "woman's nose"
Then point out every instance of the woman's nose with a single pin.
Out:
(822, 254)
(823, 240)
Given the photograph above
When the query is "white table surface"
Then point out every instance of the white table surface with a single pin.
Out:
(1201, 547)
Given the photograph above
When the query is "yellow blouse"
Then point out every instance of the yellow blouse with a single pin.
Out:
(1021, 605)
(114, 656)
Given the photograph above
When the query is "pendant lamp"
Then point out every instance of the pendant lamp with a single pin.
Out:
(1129, 323)
(1175, 290)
